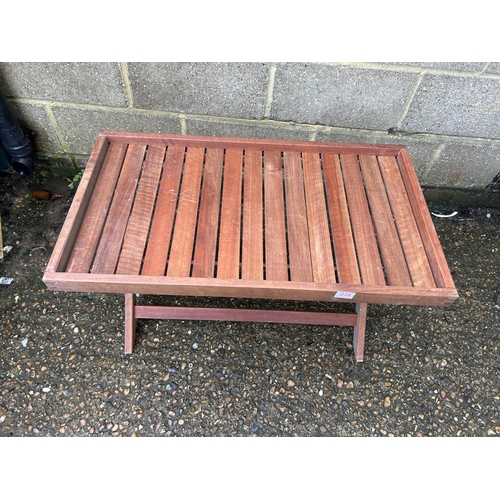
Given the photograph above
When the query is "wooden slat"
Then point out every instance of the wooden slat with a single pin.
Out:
(95, 215)
(228, 259)
(296, 216)
(364, 235)
(155, 259)
(275, 233)
(413, 247)
(426, 227)
(114, 228)
(387, 234)
(137, 231)
(181, 253)
(319, 233)
(345, 252)
(252, 252)
(208, 219)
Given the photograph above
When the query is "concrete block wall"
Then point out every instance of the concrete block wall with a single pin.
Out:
(448, 114)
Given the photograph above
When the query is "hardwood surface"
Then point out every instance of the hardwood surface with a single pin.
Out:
(252, 216)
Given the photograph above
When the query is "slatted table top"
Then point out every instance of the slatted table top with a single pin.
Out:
(186, 215)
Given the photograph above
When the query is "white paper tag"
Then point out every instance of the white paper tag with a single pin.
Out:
(6, 281)
(344, 295)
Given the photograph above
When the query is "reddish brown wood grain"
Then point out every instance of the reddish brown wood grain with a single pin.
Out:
(94, 217)
(275, 232)
(387, 234)
(296, 213)
(430, 239)
(138, 224)
(251, 143)
(361, 204)
(129, 322)
(65, 242)
(208, 220)
(250, 218)
(181, 253)
(230, 230)
(253, 315)
(362, 224)
(107, 252)
(252, 289)
(317, 216)
(359, 331)
(409, 235)
(252, 252)
(158, 244)
(345, 251)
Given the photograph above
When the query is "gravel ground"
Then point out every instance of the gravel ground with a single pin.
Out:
(427, 371)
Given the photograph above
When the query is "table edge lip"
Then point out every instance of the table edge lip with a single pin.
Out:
(105, 137)
(128, 280)
(376, 148)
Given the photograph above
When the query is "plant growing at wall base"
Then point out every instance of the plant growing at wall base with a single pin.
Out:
(76, 178)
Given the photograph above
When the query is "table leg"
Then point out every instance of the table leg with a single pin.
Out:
(359, 331)
(129, 322)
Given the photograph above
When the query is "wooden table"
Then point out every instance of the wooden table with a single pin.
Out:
(250, 218)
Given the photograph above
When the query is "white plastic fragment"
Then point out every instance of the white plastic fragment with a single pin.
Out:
(24, 342)
(36, 248)
(450, 215)
(7, 249)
